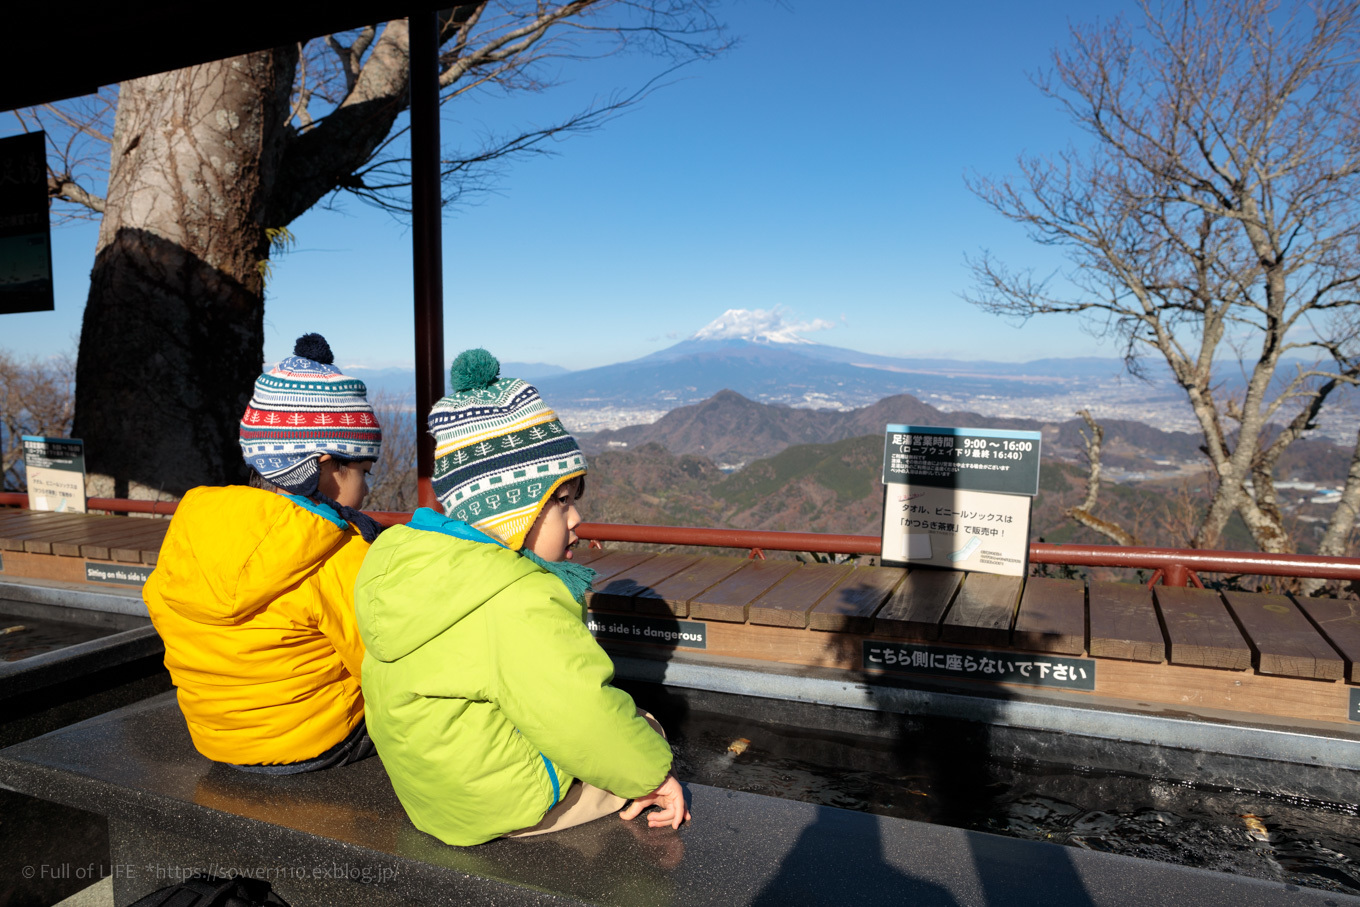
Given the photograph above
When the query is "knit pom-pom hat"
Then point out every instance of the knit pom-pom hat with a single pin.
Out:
(303, 408)
(500, 452)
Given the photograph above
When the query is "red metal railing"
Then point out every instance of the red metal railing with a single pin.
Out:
(1173, 566)
(111, 505)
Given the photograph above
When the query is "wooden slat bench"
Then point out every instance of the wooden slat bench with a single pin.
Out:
(1283, 640)
(1339, 622)
(129, 540)
(1052, 617)
(916, 607)
(1239, 651)
(1200, 631)
(1187, 647)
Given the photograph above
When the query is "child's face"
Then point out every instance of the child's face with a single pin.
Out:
(554, 532)
(346, 483)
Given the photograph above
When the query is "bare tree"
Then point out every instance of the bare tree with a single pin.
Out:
(1215, 213)
(207, 166)
(36, 398)
(393, 486)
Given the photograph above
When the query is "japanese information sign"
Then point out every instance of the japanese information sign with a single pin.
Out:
(979, 664)
(55, 471)
(25, 241)
(959, 498)
(685, 634)
(957, 530)
(1355, 705)
(970, 459)
(121, 574)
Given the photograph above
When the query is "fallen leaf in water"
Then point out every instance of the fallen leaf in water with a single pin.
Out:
(14, 629)
(1256, 829)
(917, 793)
(738, 746)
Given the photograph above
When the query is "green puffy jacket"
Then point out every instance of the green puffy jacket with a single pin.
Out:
(486, 694)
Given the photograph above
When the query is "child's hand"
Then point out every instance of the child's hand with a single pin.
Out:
(670, 797)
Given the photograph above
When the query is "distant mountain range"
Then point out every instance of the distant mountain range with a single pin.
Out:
(730, 429)
(814, 375)
(765, 361)
(812, 471)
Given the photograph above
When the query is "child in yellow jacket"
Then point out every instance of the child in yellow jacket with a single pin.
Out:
(253, 590)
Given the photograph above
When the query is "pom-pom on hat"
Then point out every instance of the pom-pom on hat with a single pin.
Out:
(303, 408)
(500, 452)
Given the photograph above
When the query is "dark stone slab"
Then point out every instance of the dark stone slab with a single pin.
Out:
(29, 676)
(340, 837)
(59, 687)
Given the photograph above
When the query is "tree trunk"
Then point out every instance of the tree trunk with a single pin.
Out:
(173, 332)
(1342, 523)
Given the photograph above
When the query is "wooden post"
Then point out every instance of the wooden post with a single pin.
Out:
(427, 239)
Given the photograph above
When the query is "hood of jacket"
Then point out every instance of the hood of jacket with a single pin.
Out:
(418, 563)
(230, 551)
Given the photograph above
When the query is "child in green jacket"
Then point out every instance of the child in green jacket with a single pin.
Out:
(489, 701)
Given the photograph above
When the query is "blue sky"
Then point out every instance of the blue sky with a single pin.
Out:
(817, 167)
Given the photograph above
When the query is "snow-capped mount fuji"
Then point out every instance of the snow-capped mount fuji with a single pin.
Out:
(757, 326)
(761, 356)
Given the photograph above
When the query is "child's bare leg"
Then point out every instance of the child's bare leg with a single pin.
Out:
(583, 802)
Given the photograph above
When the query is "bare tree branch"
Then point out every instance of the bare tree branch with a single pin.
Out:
(502, 44)
(68, 190)
(1084, 513)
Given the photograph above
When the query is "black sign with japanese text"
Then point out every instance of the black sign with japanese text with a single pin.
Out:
(121, 574)
(1354, 713)
(972, 459)
(685, 634)
(25, 240)
(979, 664)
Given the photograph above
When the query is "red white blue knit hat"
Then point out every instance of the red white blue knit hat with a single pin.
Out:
(303, 408)
(500, 452)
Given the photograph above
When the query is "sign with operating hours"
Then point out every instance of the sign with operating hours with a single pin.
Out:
(972, 459)
(54, 469)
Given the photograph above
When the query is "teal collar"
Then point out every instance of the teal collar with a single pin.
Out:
(427, 520)
(575, 577)
(325, 511)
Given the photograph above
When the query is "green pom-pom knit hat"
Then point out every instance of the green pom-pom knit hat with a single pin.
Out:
(500, 452)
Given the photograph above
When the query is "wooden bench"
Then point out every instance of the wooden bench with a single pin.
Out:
(59, 546)
(1238, 651)
(1265, 654)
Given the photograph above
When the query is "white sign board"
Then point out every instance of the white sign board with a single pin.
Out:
(54, 469)
(959, 498)
(977, 531)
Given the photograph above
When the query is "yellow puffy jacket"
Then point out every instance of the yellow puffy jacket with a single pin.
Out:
(253, 595)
